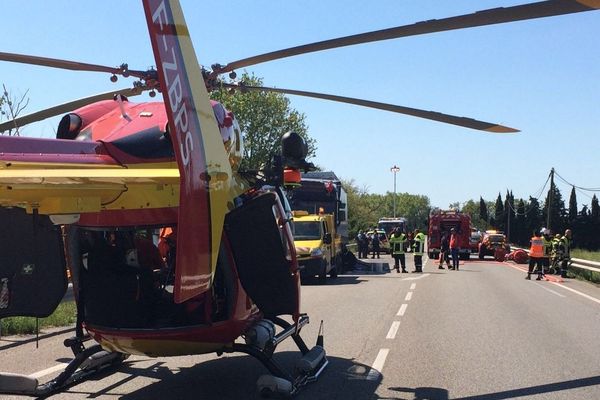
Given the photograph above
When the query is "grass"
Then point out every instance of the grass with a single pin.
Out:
(586, 254)
(64, 315)
(584, 274)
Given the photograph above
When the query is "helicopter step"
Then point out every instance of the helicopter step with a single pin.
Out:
(87, 361)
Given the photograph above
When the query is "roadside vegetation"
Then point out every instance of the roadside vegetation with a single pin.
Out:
(64, 315)
(586, 254)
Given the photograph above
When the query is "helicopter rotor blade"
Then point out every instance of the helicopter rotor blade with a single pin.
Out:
(70, 65)
(65, 107)
(432, 115)
(486, 17)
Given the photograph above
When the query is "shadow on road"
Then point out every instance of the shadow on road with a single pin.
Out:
(234, 377)
(340, 280)
(431, 393)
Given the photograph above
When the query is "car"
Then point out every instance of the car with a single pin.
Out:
(474, 241)
(492, 243)
(384, 243)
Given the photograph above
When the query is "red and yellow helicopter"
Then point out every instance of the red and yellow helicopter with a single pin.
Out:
(90, 201)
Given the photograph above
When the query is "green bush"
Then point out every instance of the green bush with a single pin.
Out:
(64, 315)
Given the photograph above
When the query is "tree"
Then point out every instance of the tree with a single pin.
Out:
(557, 210)
(483, 211)
(572, 205)
(500, 221)
(263, 117)
(473, 209)
(10, 108)
(595, 210)
(520, 230)
(533, 216)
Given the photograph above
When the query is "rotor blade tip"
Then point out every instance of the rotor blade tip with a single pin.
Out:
(501, 129)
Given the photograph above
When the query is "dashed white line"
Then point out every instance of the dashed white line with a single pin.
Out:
(577, 292)
(415, 278)
(48, 371)
(413, 286)
(378, 364)
(550, 290)
(393, 330)
(402, 310)
(408, 296)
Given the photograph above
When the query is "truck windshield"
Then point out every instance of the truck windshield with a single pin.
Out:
(307, 230)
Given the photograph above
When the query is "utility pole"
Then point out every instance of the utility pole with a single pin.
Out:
(550, 195)
(394, 170)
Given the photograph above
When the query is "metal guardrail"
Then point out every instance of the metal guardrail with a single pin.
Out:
(575, 262)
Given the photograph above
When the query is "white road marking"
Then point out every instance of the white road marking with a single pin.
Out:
(393, 330)
(415, 278)
(378, 364)
(577, 292)
(48, 371)
(408, 296)
(413, 286)
(550, 290)
(402, 310)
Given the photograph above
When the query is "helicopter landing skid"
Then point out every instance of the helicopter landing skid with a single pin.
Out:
(280, 382)
(87, 361)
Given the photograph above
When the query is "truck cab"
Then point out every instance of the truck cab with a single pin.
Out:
(318, 246)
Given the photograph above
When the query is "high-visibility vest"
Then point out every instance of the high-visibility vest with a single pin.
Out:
(537, 247)
(454, 241)
(547, 247)
(419, 245)
(397, 243)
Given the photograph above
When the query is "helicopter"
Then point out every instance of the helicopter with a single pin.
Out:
(90, 201)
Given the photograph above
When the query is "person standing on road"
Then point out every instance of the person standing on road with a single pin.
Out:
(547, 247)
(565, 249)
(375, 244)
(418, 250)
(536, 254)
(444, 250)
(362, 243)
(454, 248)
(397, 241)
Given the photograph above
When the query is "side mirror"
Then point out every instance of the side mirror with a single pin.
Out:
(327, 238)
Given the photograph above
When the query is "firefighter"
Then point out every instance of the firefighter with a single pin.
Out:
(565, 247)
(536, 253)
(454, 248)
(556, 254)
(547, 243)
(418, 250)
(444, 250)
(397, 241)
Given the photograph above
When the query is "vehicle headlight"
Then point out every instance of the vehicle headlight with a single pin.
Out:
(316, 252)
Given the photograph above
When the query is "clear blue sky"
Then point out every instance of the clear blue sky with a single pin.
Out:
(540, 76)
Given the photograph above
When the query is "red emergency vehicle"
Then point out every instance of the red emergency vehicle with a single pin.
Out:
(442, 221)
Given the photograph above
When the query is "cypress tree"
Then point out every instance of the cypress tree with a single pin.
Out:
(572, 205)
(499, 214)
(483, 211)
(595, 211)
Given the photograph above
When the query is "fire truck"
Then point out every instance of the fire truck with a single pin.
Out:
(441, 221)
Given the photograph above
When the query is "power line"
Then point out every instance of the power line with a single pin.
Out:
(597, 189)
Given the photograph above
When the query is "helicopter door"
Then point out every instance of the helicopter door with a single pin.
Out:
(262, 254)
(33, 277)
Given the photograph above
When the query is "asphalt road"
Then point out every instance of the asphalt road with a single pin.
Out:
(482, 332)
